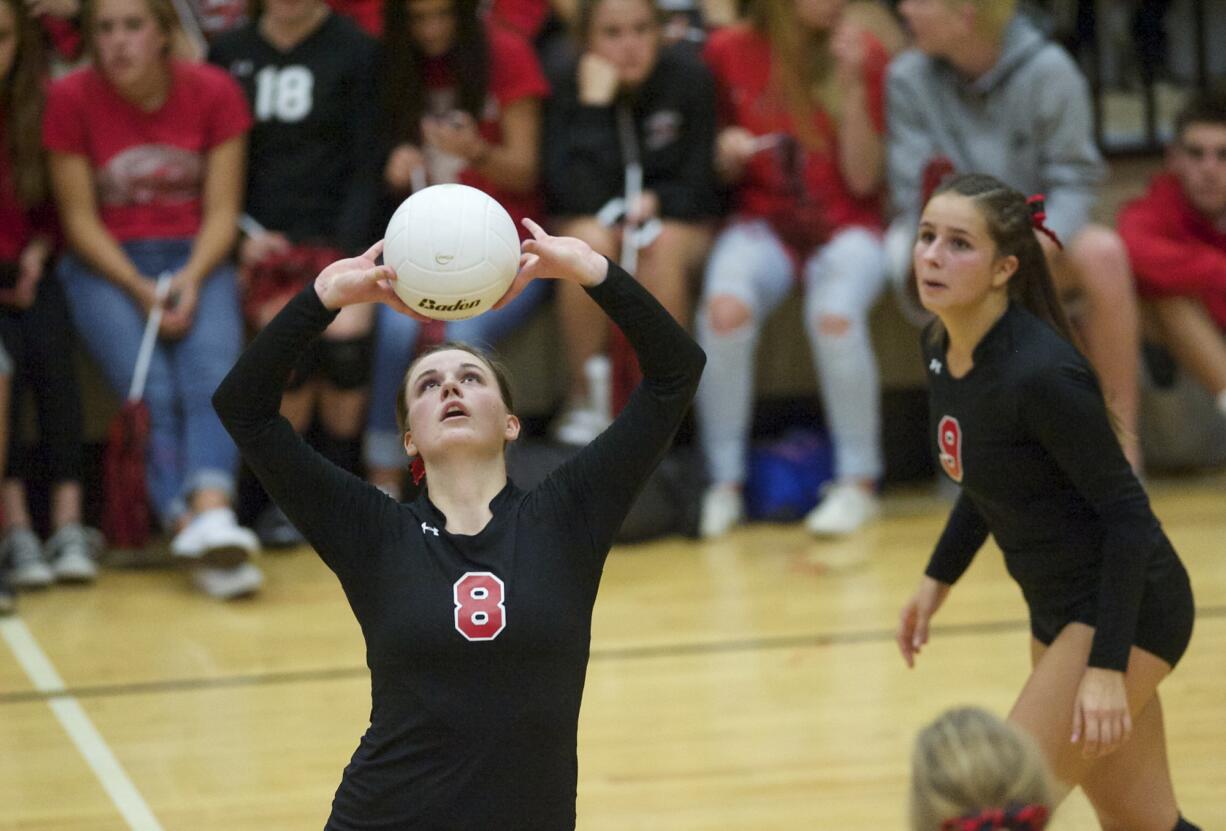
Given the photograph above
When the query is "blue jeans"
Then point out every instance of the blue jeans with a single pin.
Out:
(188, 450)
(395, 339)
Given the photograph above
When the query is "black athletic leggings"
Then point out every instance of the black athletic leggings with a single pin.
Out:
(41, 341)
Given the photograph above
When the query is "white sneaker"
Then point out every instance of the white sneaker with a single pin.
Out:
(722, 508)
(73, 553)
(579, 426)
(216, 539)
(24, 554)
(228, 583)
(843, 510)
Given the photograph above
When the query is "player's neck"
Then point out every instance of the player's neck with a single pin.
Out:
(966, 327)
(462, 488)
(285, 34)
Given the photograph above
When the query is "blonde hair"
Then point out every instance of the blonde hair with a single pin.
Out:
(802, 67)
(992, 16)
(969, 760)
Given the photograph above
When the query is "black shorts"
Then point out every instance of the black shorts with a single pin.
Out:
(1164, 621)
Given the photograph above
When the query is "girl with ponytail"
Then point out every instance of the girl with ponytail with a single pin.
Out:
(1019, 422)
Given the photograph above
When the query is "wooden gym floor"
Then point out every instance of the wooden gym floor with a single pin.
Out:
(750, 683)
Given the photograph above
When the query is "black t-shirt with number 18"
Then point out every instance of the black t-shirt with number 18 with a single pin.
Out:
(312, 156)
(477, 645)
(1026, 434)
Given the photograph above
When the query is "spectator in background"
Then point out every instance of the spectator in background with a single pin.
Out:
(625, 79)
(463, 104)
(526, 18)
(972, 770)
(368, 14)
(34, 326)
(1176, 238)
(984, 91)
(146, 156)
(800, 91)
(312, 188)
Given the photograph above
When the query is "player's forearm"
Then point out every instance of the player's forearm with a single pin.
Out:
(667, 354)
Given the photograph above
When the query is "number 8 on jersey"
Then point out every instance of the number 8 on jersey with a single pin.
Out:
(949, 445)
(479, 611)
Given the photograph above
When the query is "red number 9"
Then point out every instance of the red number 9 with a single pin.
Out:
(479, 612)
(949, 443)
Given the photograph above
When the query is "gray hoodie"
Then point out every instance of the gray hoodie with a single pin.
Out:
(1027, 121)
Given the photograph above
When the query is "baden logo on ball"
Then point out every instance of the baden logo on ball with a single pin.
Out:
(454, 249)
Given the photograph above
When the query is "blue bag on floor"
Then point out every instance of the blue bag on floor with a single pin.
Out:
(786, 473)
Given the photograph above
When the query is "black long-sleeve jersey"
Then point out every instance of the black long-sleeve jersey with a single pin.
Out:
(674, 118)
(477, 645)
(313, 145)
(1027, 436)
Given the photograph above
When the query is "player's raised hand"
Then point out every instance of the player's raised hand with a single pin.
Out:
(1100, 713)
(913, 622)
(360, 280)
(564, 258)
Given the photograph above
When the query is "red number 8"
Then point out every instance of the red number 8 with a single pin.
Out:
(949, 441)
(479, 613)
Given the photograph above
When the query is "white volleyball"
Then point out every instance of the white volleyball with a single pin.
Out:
(454, 249)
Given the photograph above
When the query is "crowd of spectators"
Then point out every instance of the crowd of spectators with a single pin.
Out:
(736, 154)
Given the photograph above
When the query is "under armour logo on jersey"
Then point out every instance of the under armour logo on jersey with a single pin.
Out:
(430, 528)
(935, 366)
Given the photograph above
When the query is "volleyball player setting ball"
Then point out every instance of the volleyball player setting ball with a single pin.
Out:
(475, 599)
(1018, 420)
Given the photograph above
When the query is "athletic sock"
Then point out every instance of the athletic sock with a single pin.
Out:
(1184, 825)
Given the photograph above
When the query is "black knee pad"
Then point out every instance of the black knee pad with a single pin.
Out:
(307, 365)
(346, 363)
(1184, 825)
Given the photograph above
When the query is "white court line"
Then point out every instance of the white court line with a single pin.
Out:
(78, 727)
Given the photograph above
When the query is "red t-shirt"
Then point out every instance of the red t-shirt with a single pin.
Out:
(785, 182)
(515, 74)
(148, 166)
(1175, 250)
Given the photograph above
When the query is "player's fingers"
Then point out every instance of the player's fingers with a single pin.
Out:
(920, 636)
(1078, 723)
(374, 251)
(529, 264)
(1093, 733)
(1126, 727)
(906, 634)
(380, 274)
(517, 285)
(538, 233)
(904, 645)
(389, 298)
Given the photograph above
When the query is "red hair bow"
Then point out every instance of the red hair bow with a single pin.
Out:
(1012, 818)
(1038, 218)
